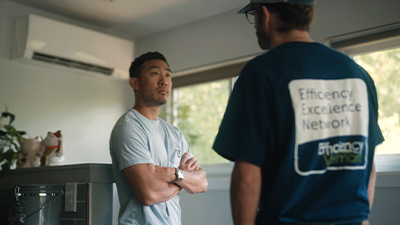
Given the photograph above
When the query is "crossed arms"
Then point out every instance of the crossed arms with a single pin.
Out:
(153, 184)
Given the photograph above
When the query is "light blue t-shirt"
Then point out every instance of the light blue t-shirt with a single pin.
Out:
(138, 140)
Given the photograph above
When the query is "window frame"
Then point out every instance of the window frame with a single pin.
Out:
(366, 41)
(210, 72)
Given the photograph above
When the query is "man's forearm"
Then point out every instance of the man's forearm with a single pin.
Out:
(194, 180)
(164, 190)
(166, 174)
(166, 194)
(371, 185)
(147, 188)
(245, 192)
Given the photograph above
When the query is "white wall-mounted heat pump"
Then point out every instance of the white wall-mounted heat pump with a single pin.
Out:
(45, 41)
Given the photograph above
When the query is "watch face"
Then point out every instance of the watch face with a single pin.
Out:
(179, 175)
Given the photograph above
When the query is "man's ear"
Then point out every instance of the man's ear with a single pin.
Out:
(134, 82)
(266, 17)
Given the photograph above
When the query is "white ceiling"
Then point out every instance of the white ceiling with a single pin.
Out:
(136, 18)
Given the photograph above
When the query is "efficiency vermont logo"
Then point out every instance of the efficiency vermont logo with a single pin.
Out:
(331, 118)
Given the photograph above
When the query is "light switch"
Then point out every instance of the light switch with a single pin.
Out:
(70, 197)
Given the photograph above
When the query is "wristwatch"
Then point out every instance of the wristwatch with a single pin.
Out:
(178, 174)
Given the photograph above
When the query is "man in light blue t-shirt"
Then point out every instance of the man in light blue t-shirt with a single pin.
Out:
(151, 159)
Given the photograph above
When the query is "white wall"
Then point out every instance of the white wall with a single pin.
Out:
(212, 40)
(43, 99)
(230, 36)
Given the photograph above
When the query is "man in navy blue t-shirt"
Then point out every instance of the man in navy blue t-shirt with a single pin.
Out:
(301, 126)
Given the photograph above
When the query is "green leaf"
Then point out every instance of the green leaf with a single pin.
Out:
(10, 128)
(9, 155)
(7, 114)
(10, 142)
(16, 147)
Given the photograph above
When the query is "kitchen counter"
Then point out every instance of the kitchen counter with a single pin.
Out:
(76, 173)
(94, 190)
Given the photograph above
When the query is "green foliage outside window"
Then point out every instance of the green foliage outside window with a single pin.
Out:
(200, 110)
(384, 67)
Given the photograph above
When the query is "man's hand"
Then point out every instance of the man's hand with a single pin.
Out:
(191, 164)
(194, 180)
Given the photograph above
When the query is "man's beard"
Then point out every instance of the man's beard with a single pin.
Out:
(155, 102)
(264, 40)
(151, 100)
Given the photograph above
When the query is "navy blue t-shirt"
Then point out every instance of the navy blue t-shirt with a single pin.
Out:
(307, 116)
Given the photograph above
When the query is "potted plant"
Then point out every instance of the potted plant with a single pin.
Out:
(10, 142)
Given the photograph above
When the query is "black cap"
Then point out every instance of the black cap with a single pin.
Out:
(250, 5)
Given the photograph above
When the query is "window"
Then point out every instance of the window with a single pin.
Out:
(384, 67)
(377, 50)
(198, 103)
(199, 110)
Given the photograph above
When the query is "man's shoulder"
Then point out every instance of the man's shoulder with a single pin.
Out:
(127, 117)
(298, 52)
(128, 120)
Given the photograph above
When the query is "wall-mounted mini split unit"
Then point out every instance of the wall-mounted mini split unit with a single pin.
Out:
(47, 42)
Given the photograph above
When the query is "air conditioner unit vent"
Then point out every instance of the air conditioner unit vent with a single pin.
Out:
(49, 43)
(72, 63)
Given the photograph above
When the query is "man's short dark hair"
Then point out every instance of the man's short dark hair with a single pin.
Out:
(137, 64)
(291, 16)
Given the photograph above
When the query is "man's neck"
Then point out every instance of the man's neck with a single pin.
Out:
(150, 113)
(293, 36)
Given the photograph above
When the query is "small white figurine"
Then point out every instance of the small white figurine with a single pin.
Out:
(31, 151)
(53, 149)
